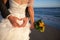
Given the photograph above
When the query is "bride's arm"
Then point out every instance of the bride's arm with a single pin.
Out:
(31, 10)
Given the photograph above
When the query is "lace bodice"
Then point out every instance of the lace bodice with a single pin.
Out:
(17, 9)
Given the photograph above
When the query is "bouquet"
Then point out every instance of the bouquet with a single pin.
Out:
(39, 25)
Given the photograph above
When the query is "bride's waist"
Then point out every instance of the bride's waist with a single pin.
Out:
(17, 14)
(17, 10)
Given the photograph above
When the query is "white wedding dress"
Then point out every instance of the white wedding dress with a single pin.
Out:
(7, 31)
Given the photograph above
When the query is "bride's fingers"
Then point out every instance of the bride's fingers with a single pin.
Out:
(24, 22)
(16, 25)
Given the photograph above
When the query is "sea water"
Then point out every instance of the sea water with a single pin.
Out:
(51, 16)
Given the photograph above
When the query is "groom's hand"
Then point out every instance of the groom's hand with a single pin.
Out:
(13, 21)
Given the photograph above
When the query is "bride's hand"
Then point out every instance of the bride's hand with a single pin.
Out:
(24, 22)
(13, 21)
(32, 26)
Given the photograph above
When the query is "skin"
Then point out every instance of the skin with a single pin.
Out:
(31, 12)
(14, 19)
(4, 1)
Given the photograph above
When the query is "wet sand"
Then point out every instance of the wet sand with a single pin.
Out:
(50, 33)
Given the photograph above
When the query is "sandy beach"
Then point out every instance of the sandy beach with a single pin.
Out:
(49, 34)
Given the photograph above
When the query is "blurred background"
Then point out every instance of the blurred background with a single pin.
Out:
(48, 11)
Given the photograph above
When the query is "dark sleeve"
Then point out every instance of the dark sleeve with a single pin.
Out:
(27, 12)
(4, 10)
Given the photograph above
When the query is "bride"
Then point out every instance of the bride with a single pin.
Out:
(9, 30)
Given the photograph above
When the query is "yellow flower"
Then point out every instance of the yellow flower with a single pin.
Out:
(42, 29)
(41, 24)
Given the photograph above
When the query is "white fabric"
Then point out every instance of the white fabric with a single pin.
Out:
(7, 31)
